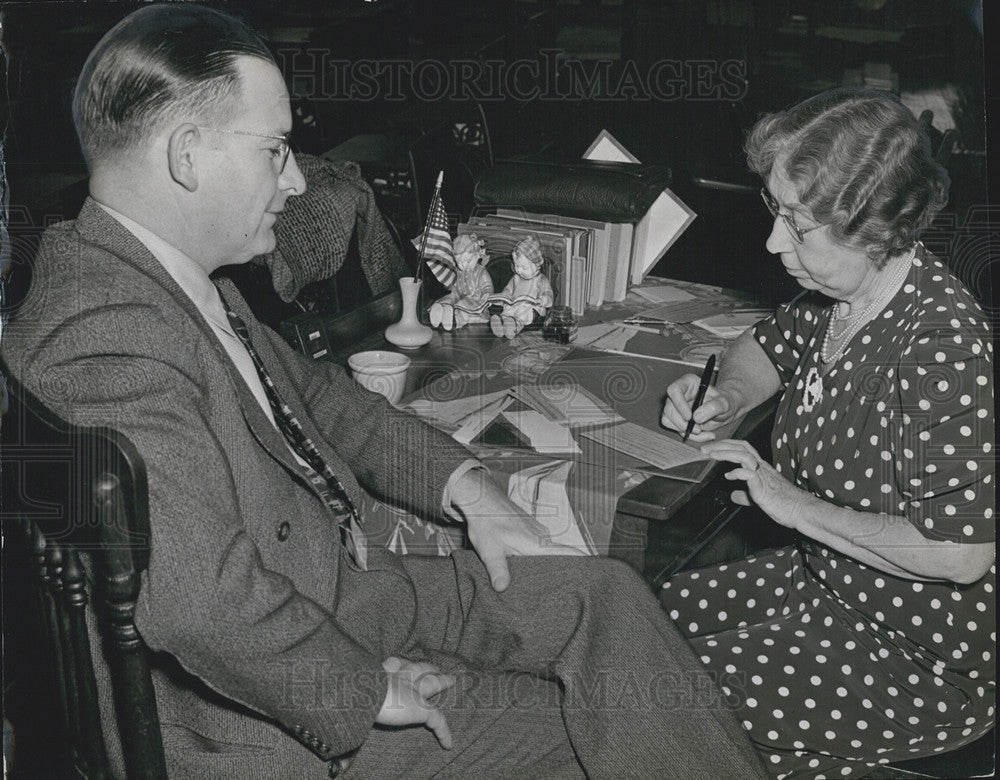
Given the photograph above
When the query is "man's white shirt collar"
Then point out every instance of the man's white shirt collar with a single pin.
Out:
(190, 276)
(194, 281)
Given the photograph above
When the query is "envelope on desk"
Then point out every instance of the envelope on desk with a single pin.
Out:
(732, 324)
(653, 448)
(566, 403)
(544, 435)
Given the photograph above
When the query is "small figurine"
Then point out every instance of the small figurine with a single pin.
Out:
(467, 300)
(526, 294)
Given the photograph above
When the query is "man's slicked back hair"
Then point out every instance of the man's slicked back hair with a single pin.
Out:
(164, 62)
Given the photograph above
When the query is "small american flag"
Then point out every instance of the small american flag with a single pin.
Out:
(437, 251)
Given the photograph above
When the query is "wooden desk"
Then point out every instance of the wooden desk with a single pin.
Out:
(467, 361)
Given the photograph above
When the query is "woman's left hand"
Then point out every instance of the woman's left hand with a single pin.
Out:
(766, 488)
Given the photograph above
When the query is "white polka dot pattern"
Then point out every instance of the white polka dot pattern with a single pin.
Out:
(834, 667)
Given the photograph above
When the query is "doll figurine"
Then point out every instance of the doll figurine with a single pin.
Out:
(466, 301)
(528, 291)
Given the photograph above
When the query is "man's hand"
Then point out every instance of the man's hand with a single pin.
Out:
(498, 527)
(410, 685)
(715, 410)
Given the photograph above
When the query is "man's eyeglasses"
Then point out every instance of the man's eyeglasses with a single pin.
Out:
(281, 151)
(775, 209)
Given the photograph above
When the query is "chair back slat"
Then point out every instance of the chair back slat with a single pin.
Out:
(94, 754)
(135, 700)
(45, 606)
(79, 498)
(66, 648)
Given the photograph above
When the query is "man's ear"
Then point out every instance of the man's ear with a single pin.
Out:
(182, 155)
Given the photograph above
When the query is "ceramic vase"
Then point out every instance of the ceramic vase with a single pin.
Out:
(409, 332)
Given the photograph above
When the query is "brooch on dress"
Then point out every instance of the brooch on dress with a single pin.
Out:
(813, 392)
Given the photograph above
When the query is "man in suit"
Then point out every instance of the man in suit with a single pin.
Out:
(280, 643)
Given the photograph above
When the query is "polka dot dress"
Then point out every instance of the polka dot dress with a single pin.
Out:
(833, 666)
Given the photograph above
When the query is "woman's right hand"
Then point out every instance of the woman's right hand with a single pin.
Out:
(715, 410)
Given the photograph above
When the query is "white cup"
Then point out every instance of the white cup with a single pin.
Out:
(381, 372)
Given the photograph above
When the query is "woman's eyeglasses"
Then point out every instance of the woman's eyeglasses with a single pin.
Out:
(281, 151)
(775, 209)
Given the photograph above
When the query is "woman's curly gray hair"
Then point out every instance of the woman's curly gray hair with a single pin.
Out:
(860, 162)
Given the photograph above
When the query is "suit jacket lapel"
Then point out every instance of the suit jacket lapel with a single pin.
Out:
(101, 229)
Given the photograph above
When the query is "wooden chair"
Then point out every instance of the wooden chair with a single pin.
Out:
(458, 144)
(76, 525)
(942, 144)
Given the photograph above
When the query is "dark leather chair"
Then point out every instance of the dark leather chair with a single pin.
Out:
(76, 529)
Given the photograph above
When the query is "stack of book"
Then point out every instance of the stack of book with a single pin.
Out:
(588, 261)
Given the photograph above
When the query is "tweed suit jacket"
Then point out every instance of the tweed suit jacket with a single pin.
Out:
(247, 621)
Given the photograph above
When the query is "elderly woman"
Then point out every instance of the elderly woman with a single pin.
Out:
(871, 639)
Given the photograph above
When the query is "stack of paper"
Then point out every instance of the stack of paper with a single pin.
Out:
(567, 250)
(595, 245)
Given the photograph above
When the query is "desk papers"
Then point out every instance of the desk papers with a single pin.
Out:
(658, 228)
(541, 492)
(662, 293)
(646, 445)
(452, 414)
(610, 336)
(475, 423)
(567, 403)
(545, 436)
(542, 420)
(731, 325)
(684, 311)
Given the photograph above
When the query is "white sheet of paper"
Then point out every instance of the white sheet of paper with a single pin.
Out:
(569, 404)
(545, 436)
(615, 340)
(473, 424)
(730, 325)
(646, 445)
(588, 334)
(662, 293)
(453, 412)
(607, 148)
(656, 232)
(541, 492)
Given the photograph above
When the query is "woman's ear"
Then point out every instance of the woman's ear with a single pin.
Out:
(183, 149)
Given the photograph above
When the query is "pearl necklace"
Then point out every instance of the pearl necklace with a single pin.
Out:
(857, 321)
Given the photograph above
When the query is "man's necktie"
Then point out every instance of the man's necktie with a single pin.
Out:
(318, 470)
